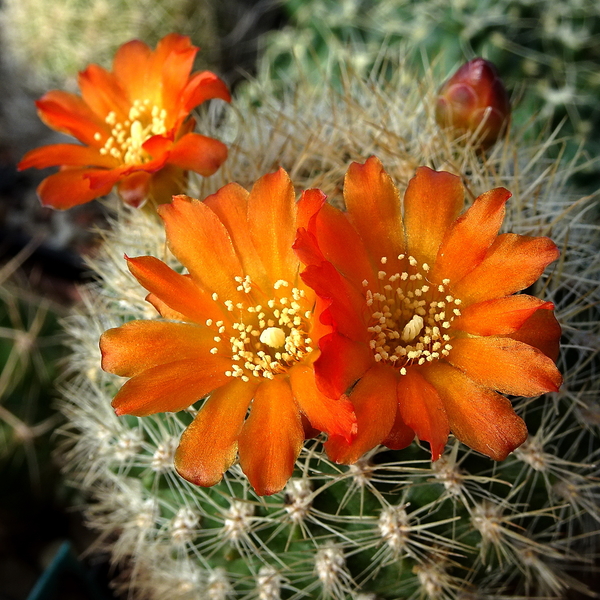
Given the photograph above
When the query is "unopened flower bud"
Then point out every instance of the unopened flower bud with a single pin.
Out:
(474, 99)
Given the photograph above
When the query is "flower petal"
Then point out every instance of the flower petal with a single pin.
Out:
(400, 435)
(141, 345)
(542, 331)
(272, 224)
(375, 401)
(200, 241)
(505, 365)
(230, 204)
(432, 201)
(203, 86)
(102, 92)
(341, 364)
(512, 263)
(130, 66)
(176, 71)
(334, 417)
(465, 244)
(68, 188)
(423, 410)
(171, 387)
(271, 438)
(198, 153)
(68, 113)
(478, 417)
(373, 203)
(72, 155)
(208, 446)
(179, 292)
(134, 188)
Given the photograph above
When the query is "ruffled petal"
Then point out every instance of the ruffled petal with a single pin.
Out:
(201, 243)
(208, 446)
(271, 438)
(374, 400)
(71, 155)
(130, 66)
(432, 201)
(272, 225)
(68, 113)
(171, 387)
(203, 86)
(423, 410)
(102, 92)
(68, 188)
(478, 417)
(179, 292)
(373, 203)
(140, 345)
(499, 316)
(334, 417)
(512, 263)
(341, 364)
(465, 244)
(505, 365)
(542, 331)
(198, 153)
(230, 204)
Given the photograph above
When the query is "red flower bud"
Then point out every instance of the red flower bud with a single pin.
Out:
(472, 96)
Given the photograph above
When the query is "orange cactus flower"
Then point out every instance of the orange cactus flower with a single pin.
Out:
(474, 99)
(427, 328)
(247, 337)
(134, 127)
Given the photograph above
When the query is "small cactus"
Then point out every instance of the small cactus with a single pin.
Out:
(393, 525)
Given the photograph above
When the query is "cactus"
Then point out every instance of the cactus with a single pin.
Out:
(393, 525)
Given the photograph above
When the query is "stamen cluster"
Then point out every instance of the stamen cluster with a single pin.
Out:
(269, 336)
(127, 137)
(410, 315)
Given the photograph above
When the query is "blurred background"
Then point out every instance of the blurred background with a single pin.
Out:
(547, 53)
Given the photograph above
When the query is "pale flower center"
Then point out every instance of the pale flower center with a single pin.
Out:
(410, 316)
(267, 337)
(127, 137)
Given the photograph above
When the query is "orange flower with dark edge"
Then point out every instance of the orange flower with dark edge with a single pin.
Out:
(247, 337)
(427, 328)
(134, 127)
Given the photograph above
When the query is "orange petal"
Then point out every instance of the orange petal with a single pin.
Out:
(373, 203)
(542, 331)
(203, 86)
(432, 201)
(478, 417)
(505, 365)
(68, 113)
(200, 241)
(423, 410)
(198, 153)
(334, 417)
(171, 387)
(341, 364)
(71, 155)
(135, 188)
(499, 316)
(209, 445)
(272, 224)
(165, 183)
(400, 435)
(469, 237)
(140, 345)
(175, 75)
(512, 263)
(347, 311)
(271, 438)
(230, 204)
(102, 92)
(179, 292)
(131, 66)
(375, 401)
(68, 188)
